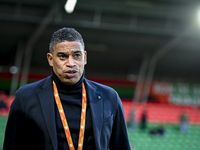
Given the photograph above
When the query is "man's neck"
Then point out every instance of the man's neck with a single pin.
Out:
(61, 86)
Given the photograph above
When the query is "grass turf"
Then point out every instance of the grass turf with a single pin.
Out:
(3, 121)
(142, 140)
(172, 140)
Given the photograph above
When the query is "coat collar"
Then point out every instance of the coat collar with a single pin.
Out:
(46, 99)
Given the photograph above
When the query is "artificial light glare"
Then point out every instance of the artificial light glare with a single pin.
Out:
(13, 69)
(70, 5)
(198, 15)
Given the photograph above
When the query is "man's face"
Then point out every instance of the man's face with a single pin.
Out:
(68, 61)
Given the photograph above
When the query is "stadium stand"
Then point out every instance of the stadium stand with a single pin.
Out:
(165, 113)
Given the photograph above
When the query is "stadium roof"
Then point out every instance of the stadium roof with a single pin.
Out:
(123, 38)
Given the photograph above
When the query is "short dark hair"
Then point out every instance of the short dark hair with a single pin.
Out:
(65, 34)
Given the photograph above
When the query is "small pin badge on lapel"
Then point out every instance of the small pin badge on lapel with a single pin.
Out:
(99, 97)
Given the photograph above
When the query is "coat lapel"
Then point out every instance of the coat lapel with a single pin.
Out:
(46, 99)
(95, 100)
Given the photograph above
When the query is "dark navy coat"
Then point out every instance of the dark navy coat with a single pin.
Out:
(31, 121)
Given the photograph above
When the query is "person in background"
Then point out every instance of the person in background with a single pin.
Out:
(160, 130)
(4, 109)
(66, 111)
(132, 120)
(143, 120)
(184, 122)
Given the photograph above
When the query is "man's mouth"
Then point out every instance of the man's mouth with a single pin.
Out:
(71, 73)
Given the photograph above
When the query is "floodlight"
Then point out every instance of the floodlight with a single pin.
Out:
(70, 5)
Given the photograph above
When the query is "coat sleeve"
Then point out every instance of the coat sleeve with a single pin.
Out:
(15, 128)
(119, 137)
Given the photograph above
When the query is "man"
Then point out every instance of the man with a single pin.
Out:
(66, 111)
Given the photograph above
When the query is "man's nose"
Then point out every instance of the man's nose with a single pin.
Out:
(70, 62)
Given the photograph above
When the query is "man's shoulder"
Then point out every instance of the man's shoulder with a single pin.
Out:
(100, 86)
(32, 87)
(109, 94)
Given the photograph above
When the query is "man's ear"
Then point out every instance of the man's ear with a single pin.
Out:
(50, 59)
(85, 58)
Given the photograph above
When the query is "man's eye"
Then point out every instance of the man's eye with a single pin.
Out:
(62, 56)
(77, 55)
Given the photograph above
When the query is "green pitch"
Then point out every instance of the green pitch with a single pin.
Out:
(172, 140)
(142, 140)
(3, 121)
